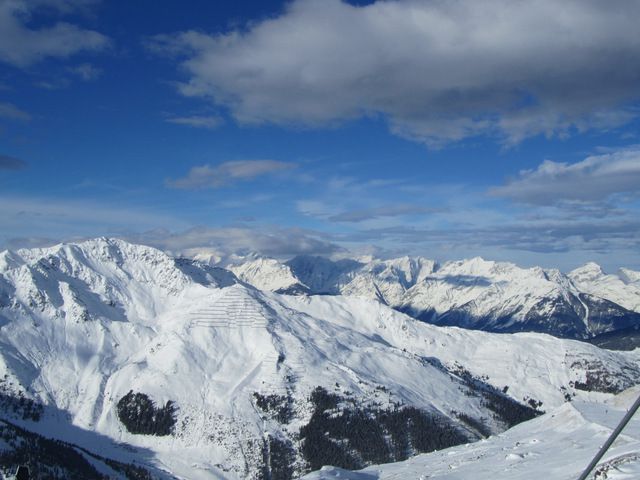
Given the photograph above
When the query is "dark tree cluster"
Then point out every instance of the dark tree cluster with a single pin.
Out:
(599, 378)
(45, 458)
(533, 403)
(140, 415)
(132, 472)
(322, 400)
(279, 457)
(21, 407)
(422, 431)
(474, 423)
(355, 436)
(50, 459)
(279, 407)
(567, 396)
(595, 383)
(505, 408)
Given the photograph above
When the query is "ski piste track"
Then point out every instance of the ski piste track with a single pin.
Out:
(236, 308)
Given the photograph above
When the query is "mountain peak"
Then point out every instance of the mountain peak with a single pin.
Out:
(589, 269)
(267, 274)
(629, 276)
(9, 260)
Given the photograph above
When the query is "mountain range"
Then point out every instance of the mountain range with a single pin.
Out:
(474, 293)
(120, 361)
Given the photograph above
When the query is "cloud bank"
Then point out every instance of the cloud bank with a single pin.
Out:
(593, 179)
(355, 216)
(197, 121)
(279, 242)
(226, 173)
(435, 71)
(11, 163)
(22, 46)
(11, 112)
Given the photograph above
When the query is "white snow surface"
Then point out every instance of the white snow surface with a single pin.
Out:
(83, 324)
(558, 446)
(623, 288)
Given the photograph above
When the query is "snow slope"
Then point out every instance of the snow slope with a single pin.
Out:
(558, 445)
(82, 325)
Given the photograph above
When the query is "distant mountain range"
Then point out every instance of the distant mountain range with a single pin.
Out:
(476, 293)
(117, 360)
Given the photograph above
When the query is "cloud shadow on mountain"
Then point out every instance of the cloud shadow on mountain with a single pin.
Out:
(464, 280)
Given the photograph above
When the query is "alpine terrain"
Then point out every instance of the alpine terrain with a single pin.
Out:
(120, 361)
(474, 293)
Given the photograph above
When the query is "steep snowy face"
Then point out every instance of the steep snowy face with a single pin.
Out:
(502, 297)
(208, 378)
(629, 276)
(269, 274)
(322, 275)
(383, 280)
(558, 445)
(386, 280)
(101, 278)
(622, 289)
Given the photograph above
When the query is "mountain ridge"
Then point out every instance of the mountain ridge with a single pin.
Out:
(227, 374)
(474, 293)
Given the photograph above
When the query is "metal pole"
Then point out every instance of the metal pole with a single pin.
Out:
(611, 439)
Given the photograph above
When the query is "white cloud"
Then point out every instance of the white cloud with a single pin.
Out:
(395, 210)
(198, 121)
(86, 72)
(437, 71)
(29, 217)
(618, 238)
(22, 46)
(66, 6)
(281, 242)
(593, 179)
(315, 208)
(11, 112)
(206, 176)
(11, 163)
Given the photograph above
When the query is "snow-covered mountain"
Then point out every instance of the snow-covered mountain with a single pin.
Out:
(623, 288)
(558, 445)
(180, 368)
(502, 297)
(384, 280)
(268, 274)
(474, 293)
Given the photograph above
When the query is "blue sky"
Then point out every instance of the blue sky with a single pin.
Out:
(451, 129)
